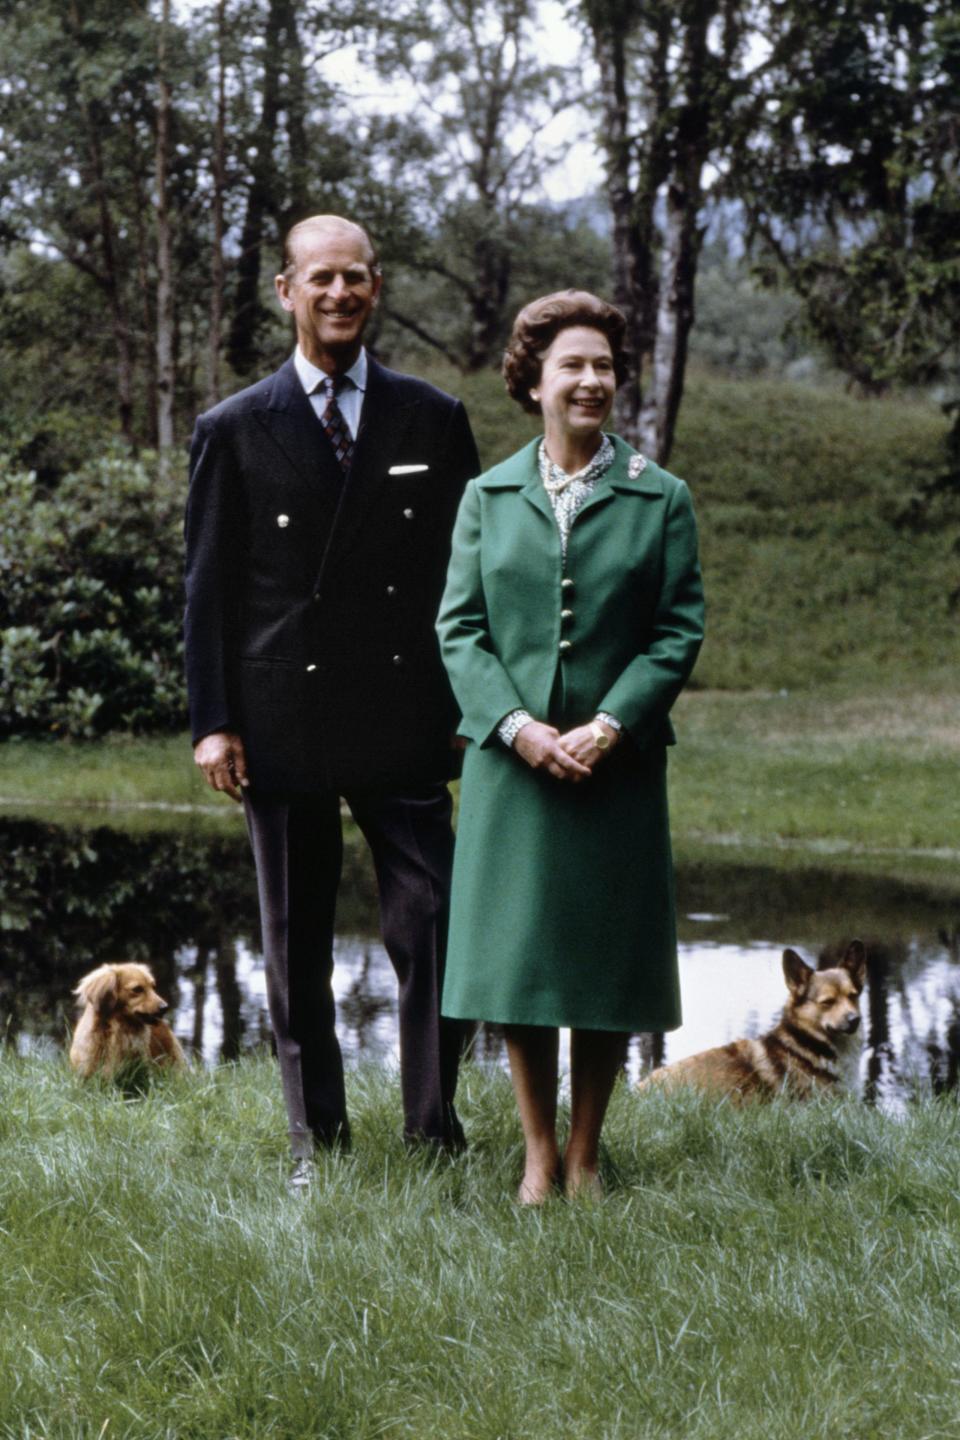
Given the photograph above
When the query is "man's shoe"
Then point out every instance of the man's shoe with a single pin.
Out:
(301, 1176)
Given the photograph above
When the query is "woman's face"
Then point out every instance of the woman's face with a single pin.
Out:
(577, 383)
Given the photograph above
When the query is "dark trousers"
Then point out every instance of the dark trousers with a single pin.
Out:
(298, 849)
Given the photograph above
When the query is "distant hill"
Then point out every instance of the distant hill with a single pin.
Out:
(812, 574)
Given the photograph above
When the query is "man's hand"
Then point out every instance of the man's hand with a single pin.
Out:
(221, 758)
(581, 743)
(540, 746)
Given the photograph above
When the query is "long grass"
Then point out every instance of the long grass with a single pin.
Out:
(768, 1273)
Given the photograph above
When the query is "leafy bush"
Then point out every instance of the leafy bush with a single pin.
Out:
(91, 599)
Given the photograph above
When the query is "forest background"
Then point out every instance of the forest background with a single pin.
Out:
(768, 188)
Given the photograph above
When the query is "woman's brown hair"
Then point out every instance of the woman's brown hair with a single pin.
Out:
(537, 326)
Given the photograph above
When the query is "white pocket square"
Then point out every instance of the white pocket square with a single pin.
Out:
(407, 469)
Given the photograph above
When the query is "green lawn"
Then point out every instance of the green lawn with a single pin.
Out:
(856, 779)
(833, 777)
(762, 1275)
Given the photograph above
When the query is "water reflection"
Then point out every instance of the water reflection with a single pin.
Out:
(186, 903)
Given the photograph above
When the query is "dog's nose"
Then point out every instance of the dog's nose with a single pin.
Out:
(853, 1023)
(162, 1008)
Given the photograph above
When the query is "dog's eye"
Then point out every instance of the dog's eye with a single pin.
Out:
(136, 989)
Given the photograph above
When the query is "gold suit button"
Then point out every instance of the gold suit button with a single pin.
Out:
(566, 583)
(566, 615)
(283, 521)
(398, 660)
(408, 514)
(565, 645)
(310, 667)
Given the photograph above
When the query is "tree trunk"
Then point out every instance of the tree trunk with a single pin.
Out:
(247, 314)
(609, 45)
(488, 299)
(636, 168)
(681, 243)
(295, 109)
(219, 185)
(165, 342)
(675, 311)
(148, 381)
(110, 279)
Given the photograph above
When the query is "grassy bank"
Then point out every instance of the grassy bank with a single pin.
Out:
(844, 778)
(774, 1273)
(858, 780)
(812, 577)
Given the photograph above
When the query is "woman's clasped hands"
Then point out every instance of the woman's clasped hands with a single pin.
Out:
(571, 756)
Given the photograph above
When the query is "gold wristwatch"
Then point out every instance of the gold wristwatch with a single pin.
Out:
(600, 737)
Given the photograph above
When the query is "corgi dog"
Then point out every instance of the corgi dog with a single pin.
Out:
(814, 1045)
(121, 1020)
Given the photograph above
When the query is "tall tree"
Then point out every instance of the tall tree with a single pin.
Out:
(300, 147)
(672, 76)
(166, 375)
(84, 136)
(485, 100)
(849, 168)
(218, 179)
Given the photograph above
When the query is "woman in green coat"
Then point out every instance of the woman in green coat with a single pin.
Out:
(572, 617)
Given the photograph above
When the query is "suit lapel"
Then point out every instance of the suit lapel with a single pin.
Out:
(618, 480)
(290, 421)
(533, 491)
(384, 420)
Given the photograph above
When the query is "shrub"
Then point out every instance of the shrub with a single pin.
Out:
(91, 599)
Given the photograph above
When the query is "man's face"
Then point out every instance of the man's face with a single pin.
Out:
(330, 294)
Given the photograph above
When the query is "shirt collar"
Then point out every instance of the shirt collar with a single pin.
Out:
(312, 377)
(556, 479)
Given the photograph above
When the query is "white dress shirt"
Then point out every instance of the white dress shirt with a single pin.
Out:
(349, 399)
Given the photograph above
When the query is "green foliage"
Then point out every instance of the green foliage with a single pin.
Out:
(750, 1275)
(91, 600)
(744, 329)
(848, 166)
(479, 147)
(811, 576)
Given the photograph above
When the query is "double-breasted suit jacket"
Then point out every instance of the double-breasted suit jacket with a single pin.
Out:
(309, 632)
(310, 602)
(562, 910)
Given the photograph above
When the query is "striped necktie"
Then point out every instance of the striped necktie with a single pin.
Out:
(338, 431)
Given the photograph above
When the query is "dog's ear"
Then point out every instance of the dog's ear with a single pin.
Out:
(855, 962)
(99, 989)
(797, 974)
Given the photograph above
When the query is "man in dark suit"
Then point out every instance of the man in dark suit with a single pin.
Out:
(317, 537)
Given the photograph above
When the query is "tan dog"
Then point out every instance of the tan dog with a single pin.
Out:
(122, 1020)
(814, 1045)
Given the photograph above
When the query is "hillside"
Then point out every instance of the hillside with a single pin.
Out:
(812, 577)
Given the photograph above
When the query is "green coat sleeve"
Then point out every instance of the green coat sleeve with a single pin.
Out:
(642, 694)
(483, 689)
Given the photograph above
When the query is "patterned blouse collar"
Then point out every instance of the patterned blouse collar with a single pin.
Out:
(556, 479)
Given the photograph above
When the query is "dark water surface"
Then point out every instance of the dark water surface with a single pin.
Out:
(185, 902)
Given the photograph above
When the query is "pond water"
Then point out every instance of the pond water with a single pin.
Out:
(185, 901)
